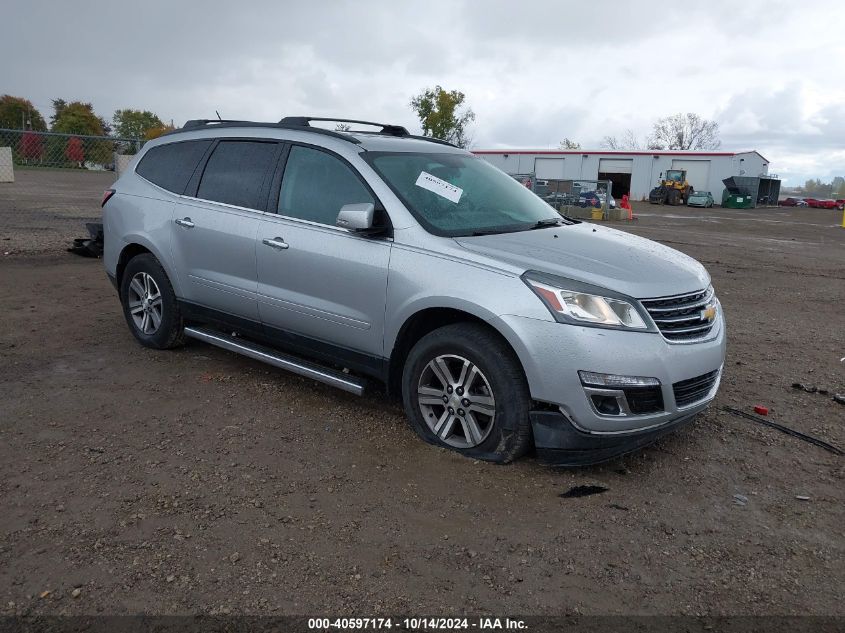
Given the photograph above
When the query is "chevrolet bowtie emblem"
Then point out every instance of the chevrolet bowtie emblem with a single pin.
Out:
(708, 313)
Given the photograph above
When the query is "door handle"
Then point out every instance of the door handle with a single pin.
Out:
(186, 222)
(276, 242)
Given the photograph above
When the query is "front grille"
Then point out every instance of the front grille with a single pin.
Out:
(642, 400)
(681, 318)
(694, 389)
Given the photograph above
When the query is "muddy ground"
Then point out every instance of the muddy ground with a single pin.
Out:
(196, 481)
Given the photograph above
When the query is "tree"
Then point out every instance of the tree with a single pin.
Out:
(18, 113)
(815, 187)
(135, 123)
(31, 146)
(441, 117)
(77, 118)
(684, 132)
(74, 151)
(569, 144)
(342, 127)
(157, 131)
(627, 141)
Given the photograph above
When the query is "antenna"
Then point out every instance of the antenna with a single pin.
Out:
(218, 115)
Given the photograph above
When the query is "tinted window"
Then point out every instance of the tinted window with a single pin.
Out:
(171, 166)
(316, 185)
(235, 173)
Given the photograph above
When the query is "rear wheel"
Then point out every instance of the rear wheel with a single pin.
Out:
(149, 304)
(463, 388)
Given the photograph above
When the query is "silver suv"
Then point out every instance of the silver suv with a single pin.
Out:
(381, 257)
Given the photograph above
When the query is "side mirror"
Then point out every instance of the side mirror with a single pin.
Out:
(356, 217)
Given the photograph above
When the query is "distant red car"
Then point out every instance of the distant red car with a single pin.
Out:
(792, 202)
(822, 204)
(811, 202)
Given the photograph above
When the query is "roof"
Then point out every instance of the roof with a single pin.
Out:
(613, 152)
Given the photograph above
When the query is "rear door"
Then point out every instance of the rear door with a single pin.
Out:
(215, 226)
(316, 279)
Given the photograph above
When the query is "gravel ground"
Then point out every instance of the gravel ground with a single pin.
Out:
(196, 481)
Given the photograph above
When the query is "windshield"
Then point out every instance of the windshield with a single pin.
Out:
(701, 194)
(460, 194)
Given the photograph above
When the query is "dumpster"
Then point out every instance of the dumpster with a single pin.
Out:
(736, 200)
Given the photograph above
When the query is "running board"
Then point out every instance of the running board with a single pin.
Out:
(282, 361)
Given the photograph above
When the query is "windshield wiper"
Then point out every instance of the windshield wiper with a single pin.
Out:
(492, 232)
(518, 228)
(541, 224)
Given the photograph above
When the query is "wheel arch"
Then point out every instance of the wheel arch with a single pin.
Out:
(427, 319)
(135, 246)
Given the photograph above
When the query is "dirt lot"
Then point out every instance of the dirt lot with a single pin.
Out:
(196, 481)
(44, 209)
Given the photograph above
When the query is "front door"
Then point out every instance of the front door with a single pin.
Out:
(316, 279)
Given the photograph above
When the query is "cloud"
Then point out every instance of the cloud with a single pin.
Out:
(533, 72)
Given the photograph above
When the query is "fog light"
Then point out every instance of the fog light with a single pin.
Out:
(606, 405)
(615, 381)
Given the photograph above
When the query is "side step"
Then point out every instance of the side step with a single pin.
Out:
(282, 361)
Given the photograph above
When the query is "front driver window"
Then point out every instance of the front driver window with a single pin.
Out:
(316, 185)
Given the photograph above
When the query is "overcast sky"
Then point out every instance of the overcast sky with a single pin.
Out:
(771, 73)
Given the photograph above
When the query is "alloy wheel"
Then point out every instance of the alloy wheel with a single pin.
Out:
(456, 401)
(145, 303)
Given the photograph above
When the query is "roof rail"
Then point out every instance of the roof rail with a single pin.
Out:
(203, 122)
(305, 121)
(198, 124)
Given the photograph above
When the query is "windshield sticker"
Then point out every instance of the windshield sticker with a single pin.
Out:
(440, 187)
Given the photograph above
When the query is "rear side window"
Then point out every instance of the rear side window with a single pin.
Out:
(316, 185)
(235, 173)
(171, 166)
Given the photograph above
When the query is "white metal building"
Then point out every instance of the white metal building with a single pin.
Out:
(632, 172)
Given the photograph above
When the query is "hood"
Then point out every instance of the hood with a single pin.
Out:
(626, 263)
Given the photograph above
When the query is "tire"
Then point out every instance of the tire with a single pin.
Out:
(155, 322)
(500, 436)
(673, 198)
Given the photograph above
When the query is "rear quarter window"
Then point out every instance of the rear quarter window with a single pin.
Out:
(171, 166)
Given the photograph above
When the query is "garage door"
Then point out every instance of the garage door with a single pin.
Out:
(698, 172)
(549, 168)
(616, 165)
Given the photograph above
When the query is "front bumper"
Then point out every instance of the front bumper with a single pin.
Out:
(552, 354)
(559, 443)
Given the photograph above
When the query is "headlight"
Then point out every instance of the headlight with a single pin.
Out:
(575, 306)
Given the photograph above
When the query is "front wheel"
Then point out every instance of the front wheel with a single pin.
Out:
(464, 389)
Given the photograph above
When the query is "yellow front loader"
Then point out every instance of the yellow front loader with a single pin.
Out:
(673, 190)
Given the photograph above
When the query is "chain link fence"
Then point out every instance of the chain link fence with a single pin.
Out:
(51, 185)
